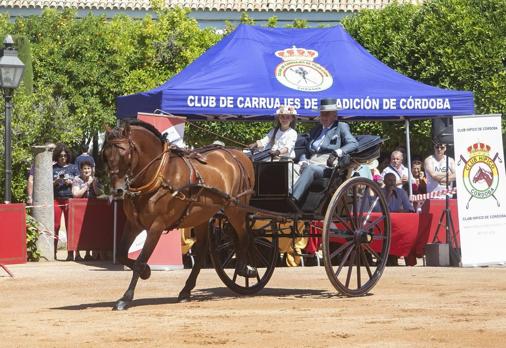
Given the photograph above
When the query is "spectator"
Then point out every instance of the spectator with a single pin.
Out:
(84, 156)
(63, 175)
(86, 186)
(397, 168)
(419, 184)
(329, 140)
(280, 141)
(436, 171)
(375, 173)
(397, 199)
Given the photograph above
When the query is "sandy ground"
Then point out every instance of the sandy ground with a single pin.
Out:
(69, 304)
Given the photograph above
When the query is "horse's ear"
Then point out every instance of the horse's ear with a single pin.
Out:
(126, 130)
(107, 128)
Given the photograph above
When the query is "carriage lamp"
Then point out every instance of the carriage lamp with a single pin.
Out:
(11, 72)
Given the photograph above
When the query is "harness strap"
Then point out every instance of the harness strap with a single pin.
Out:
(157, 179)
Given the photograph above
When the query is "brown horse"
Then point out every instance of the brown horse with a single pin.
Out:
(165, 187)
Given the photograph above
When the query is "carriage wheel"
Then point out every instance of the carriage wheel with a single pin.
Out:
(262, 253)
(356, 236)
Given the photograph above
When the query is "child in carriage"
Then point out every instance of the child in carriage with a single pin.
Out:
(280, 141)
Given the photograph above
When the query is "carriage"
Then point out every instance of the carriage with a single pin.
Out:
(349, 213)
(240, 223)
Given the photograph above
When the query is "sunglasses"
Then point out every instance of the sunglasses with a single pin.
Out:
(63, 155)
(440, 146)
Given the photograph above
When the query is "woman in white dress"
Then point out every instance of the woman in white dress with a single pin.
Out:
(280, 141)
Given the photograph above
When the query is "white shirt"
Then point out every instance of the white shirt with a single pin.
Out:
(398, 172)
(440, 168)
(286, 138)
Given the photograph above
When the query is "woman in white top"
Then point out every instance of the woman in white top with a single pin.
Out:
(280, 141)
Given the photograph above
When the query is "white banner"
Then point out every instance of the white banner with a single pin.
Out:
(173, 126)
(481, 183)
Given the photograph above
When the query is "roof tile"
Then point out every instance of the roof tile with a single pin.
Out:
(216, 5)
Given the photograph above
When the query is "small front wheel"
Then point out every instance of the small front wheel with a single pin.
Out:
(262, 254)
(356, 236)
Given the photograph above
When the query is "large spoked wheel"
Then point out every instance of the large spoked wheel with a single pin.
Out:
(262, 254)
(356, 236)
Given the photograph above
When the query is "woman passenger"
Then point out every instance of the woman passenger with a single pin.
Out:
(280, 141)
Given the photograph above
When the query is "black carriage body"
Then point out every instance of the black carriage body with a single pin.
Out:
(272, 190)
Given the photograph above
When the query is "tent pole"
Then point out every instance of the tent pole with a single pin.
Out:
(408, 152)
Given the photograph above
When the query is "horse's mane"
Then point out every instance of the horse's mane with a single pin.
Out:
(117, 132)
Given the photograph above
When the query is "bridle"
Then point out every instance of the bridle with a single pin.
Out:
(130, 178)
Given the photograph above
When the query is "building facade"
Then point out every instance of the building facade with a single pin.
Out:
(211, 13)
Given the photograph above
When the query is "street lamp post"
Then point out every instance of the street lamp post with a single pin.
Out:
(11, 72)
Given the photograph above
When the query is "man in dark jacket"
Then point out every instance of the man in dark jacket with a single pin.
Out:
(329, 140)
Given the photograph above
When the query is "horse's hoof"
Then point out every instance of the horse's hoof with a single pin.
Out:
(121, 305)
(146, 273)
(183, 297)
(248, 272)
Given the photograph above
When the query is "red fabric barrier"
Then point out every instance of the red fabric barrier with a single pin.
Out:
(409, 235)
(91, 227)
(436, 207)
(91, 223)
(12, 233)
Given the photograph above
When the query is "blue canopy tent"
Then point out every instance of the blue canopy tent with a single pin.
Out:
(253, 70)
(250, 72)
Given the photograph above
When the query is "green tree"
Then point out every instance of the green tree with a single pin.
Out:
(454, 44)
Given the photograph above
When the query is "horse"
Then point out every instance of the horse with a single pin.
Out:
(164, 187)
(483, 175)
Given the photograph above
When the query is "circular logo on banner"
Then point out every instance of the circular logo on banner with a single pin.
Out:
(480, 174)
(298, 70)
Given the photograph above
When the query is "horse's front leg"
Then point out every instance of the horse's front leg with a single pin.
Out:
(200, 251)
(140, 267)
(130, 232)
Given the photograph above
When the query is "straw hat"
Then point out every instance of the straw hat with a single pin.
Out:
(286, 110)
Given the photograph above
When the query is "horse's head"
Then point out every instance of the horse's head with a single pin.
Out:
(117, 153)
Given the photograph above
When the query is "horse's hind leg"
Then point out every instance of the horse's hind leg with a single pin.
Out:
(200, 250)
(140, 268)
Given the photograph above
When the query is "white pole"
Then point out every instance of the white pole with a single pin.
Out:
(408, 153)
(114, 230)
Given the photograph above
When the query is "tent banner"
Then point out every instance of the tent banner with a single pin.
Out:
(481, 183)
(173, 126)
(254, 70)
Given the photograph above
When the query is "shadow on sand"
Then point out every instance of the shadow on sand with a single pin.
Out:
(215, 294)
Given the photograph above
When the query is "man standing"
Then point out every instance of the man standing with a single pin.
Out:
(329, 140)
(436, 171)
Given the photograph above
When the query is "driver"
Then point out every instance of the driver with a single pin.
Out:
(328, 140)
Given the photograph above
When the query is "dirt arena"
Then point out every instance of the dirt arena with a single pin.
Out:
(66, 304)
